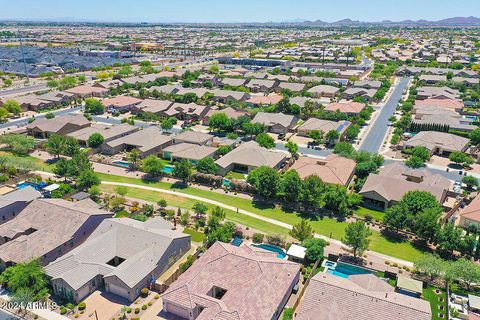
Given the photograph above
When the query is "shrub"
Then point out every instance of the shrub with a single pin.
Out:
(144, 307)
(276, 240)
(144, 292)
(137, 310)
(257, 237)
(63, 310)
(157, 296)
(82, 306)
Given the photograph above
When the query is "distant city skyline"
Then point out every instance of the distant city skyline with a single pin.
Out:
(217, 11)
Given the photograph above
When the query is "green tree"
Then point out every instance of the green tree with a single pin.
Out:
(12, 106)
(183, 170)
(18, 143)
(415, 162)
(220, 121)
(94, 106)
(302, 231)
(166, 124)
(3, 114)
(72, 147)
(95, 140)
(152, 165)
(459, 157)
(87, 178)
(291, 186)
(26, 275)
(332, 136)
(344, 149)
(200, 209)
(464, 271)
(67, 82)
(264, 140)
(313, 192)
(207, 165)
(315, 249)
(292, 147)
(55, 145)
(133, 157)
(475, 136)
(265, 180)
(421, 152)
(430, 265)
(357, 237)
(470, 181)
(449, 238)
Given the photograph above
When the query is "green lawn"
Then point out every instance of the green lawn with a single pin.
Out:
(186, 203)
(325, 226)
(363, 212)
(195, 235)
(430, 295)
(235, 175)
(36, 163)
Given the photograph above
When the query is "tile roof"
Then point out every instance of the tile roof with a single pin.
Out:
(333, 169)
(251, 154)
(330, 297)
(256, 282)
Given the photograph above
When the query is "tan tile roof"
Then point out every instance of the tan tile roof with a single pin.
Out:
(330, 297)
(435, 139)
(346, 107)
(251, 154)
(55, 221)
(255, 282)
(333, 169)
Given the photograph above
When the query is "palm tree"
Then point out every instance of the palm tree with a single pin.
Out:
(133, 157)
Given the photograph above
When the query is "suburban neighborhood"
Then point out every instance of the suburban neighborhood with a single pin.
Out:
(285, 169)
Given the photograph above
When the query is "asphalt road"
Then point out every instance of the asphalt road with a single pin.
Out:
(374, 139)
(36, 87)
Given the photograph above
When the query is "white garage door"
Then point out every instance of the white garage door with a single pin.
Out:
(83, 292)
(120, 291)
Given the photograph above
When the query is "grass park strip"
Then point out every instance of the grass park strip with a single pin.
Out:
(325, 226)
(36, 163)
(186, 203)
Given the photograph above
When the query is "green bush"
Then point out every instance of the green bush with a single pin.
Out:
(257, 237)
(82, 306)
(63, 310)
(137, 310)
(144, 292)
(144, 307)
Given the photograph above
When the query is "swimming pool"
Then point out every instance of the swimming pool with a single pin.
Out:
(167, 169)
(122, 163)
(226, 183)
(345, 270)
(36, 186)
(279, 251)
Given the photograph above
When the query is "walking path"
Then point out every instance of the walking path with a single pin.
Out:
(251, 214)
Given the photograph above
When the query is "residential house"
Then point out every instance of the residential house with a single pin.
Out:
(151, 106)
(228, 111)
(333, 169)
(87, 91)
(232, 82)
(47, 229)
(108, 257)
(148, 141)
(229, 282)
(366, 94)
(224, 96)
(470, 214)
(248, 156)
(441, 143)
(323, 91)
(188, 151)
(368, 84)
(193, 137)
(432, 79)
(258, 101)
(120, 103)
(437, 93)
(186, 111)
(292, 86)
(351, 108)
(383, 189)
(358, 297)
(323, 126)
(276, 122)
(61, 125)
(450, 104)
(262, 85)
(12, 203)
(108, 132)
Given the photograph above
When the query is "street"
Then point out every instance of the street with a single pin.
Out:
(374, 139)
(36, 87)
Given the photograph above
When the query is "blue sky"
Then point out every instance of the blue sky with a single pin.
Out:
(234, 11)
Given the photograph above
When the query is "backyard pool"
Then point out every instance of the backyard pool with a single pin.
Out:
(167, 169)
(345, 270)
(226, 183)
(122, 163)
(279, 251)
(36, 186)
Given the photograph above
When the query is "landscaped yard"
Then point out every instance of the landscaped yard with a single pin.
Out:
(195, 235)
(325, 226)
(430, 295)
(235, 175)
(364, 212)
(37, 164)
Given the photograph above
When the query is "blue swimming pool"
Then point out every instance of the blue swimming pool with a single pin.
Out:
(122, 163)
(168, 169)
(35, 185)
(345, 270)
(279, 251)
(226, 183)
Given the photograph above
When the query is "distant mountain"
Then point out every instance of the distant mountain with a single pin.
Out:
(456, 21)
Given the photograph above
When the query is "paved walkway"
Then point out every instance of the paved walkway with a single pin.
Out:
(253, 215)
(42, 313)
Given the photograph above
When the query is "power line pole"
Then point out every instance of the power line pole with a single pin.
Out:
(23, 57)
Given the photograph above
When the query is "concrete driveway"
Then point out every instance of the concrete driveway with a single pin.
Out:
(106, 304)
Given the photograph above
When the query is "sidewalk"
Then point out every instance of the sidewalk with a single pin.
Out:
(42, 313)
